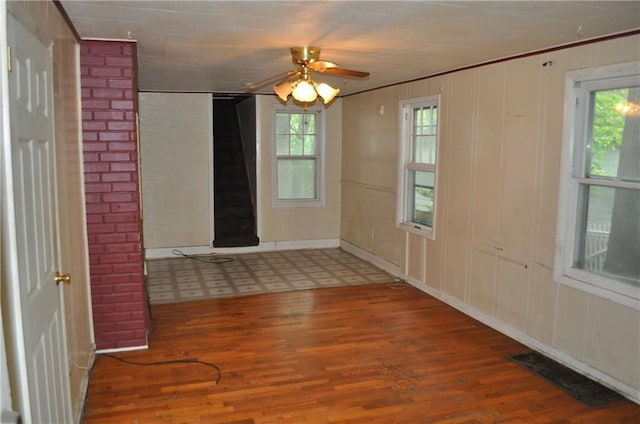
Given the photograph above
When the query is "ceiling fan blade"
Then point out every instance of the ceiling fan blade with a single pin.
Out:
(321, 65)
(345, 72)
(253, 86)
(332, 68)
(292, 76)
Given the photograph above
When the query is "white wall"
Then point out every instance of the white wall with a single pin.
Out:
(498, 187)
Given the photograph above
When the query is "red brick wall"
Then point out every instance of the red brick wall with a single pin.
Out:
(120, 312)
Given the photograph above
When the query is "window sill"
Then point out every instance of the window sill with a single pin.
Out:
(298, 203)
(410, 227)
(612, 290)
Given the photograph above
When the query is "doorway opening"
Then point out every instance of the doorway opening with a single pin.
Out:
(234, 171)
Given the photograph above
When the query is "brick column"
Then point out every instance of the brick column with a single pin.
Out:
(120, 312)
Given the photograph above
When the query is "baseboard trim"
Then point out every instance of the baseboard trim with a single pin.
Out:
(84, 388)
(270, 246)
(624, 389)
(383, 264)
(122, 349)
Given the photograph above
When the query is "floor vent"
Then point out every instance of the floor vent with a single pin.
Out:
(582, 388)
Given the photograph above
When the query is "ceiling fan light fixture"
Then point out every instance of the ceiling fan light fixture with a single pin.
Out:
(304, 92)
(326, 92)
(299, 83)
(283, 90)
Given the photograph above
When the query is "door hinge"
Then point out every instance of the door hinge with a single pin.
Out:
(9, 58)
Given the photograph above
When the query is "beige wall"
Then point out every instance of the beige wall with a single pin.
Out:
(45, 20)
(500, 149)
(300, 223)
(369, 173)
(175, 143)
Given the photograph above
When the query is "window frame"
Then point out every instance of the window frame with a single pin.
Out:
(573, 175)
(319, 157)
(407, 166)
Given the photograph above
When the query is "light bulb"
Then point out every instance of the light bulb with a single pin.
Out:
(304, 92)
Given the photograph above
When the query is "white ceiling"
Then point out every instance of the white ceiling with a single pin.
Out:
(224, 46)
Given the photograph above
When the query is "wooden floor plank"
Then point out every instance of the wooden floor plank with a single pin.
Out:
(374, 353)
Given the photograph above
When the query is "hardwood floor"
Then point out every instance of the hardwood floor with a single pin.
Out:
(364, 354)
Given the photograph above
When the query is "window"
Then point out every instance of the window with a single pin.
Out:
(598, 247)
(298, 150)
(416, 210)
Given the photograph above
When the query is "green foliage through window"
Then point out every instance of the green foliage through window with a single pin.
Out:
(608, 125)
(297, 156)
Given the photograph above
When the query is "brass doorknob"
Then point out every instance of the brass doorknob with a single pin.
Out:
(62, 278)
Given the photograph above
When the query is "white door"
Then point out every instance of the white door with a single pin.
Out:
(33, 161)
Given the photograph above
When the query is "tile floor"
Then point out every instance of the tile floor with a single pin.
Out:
(182, 279)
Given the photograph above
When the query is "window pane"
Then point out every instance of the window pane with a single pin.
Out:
(421, 201)
(282, 123)
(310, 121)
(301, 123)
(296, 179)
(615, 134)
(282, 144)
(296, 124)
(295, 144)
(609, 233)
(310, 144)
(295, 134)
(425, 178)
(425, 149)
(424, 135)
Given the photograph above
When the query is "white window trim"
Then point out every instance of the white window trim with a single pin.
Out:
(320, 183)
(563, 272)
(404, 153)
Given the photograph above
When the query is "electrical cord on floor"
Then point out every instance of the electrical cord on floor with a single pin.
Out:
(173, 361)
(215, 261)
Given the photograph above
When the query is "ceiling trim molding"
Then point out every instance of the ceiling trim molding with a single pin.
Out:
(66, 18)
(119, 40)
(507, 58)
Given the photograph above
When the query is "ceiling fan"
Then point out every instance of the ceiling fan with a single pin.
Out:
(299, 84)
